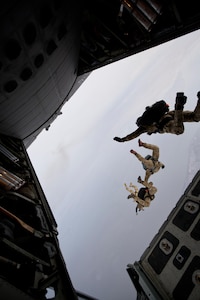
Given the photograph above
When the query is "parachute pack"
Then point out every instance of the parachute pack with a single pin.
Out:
(142, 192)
(153, 113)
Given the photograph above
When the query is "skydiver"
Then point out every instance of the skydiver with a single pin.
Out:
(150, 163)
(142, 196)
(170, 122)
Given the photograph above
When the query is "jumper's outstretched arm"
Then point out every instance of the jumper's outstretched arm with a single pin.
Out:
(131, 136)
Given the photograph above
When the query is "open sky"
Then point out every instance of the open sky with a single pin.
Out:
(82, 169)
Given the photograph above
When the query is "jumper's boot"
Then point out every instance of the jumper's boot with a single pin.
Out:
(133, 151)
(197, 109)
(140, 143)
(178, 116)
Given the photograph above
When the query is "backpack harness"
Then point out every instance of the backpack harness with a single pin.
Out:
(153, 114)
(144, 193)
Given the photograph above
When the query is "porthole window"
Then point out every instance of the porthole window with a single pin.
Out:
(26, 74)
(10, 86)
(12, 49)
(29, 34)
(38, 61)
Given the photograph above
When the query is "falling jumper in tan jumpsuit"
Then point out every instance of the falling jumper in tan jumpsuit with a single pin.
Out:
(148, 196)
(151, 165)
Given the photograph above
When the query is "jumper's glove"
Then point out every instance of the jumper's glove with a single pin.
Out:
(118, 139)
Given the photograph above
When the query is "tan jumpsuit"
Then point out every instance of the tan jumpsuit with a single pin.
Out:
(134, 194)
(151, 165)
